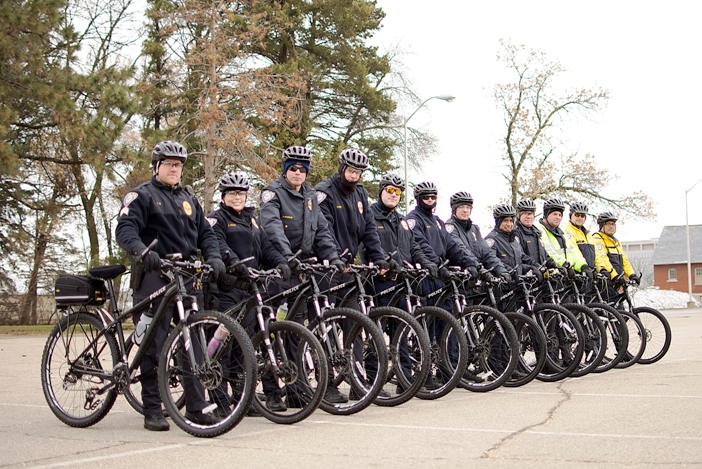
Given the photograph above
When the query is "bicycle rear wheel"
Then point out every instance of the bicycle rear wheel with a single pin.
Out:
(492, 348)
(564, 341)
(408, 352)
(449, 351)
(658, 334)
(75, 367)
(228, 371)
(357, 354)
(532, 350)
(617, 336)
(301, 380)
(637, 340)
(595, 344)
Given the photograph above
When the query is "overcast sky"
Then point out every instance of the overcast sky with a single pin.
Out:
(647, 54)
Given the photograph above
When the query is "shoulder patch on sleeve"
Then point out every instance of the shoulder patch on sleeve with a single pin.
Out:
(490, 242)
(267, 195)
(211, 220)
(450, 228)
(404, 225)
(411, 223)
(129, 198)
(320, 197)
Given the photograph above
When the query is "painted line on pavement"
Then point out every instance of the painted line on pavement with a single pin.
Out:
(587, 394)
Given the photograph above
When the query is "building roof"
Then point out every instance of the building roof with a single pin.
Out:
(672, 245)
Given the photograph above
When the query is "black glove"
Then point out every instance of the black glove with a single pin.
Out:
(432, 268)
(568, 272)
(294, 263)
(151, 262)
(338, 264)
(538, 274)
(285, 270)
(382, 264)
(217, 267)
(473, 271)
(635, 279)
(444, 274)
(395, 266)
(587, 270)
(239, 270)
(506, 276)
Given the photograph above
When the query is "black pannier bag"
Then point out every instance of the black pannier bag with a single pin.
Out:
(80, 290)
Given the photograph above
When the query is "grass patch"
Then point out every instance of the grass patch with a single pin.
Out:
(26, 330)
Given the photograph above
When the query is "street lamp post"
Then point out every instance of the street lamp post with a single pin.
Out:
(691, 302)
(443, 97)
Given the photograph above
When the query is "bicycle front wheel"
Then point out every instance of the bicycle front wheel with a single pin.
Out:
(637, 340)
(617, 336)
(77, 366)
(217, 384)
(293, 391)
(595, 344)
(658, 334)
(565, 341)
(532, 350)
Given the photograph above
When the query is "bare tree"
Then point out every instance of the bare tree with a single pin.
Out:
(535, 106)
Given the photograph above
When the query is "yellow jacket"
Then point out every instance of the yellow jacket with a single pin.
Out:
(583, 238)
(560, 255)
(610, 257)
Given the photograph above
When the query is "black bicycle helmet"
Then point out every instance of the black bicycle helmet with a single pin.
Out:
(168, 150)
(297, 152)
(503, 210)
(604, 217)
(425, 188)
(526, 205)
(460, 198)
(391, 180)
(553, 205)
(234, 182)
(354, 158)
(578, 207)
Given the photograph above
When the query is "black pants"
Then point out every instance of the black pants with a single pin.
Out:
(151, 399)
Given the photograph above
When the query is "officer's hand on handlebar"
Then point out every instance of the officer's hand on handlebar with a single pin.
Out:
(432, 268)
(506, 276)
(444, 274)
(338, 264)
(587, 270)
(635, 279)
(285, 270)
(294, 263)
(218, 269)
(383, 265)
(151, 262)
(473, 272)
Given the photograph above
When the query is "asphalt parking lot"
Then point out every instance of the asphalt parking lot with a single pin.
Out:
(642, 416)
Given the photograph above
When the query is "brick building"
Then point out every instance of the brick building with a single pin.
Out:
(670, 259)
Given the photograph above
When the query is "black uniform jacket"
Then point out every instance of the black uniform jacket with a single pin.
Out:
(509, 250)
(436, 242)
(395, 237)
(293, 221)
(530, 239)
(349, 218)
(155, 210)
(468, 235)
(240, 234)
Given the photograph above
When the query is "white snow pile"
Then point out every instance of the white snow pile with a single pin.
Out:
(662, 299)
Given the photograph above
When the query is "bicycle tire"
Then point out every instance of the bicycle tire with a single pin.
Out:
(658, 334)
(532, 347)
(68, 388)
(232, 366)
(406, 342)
(617, 336)
(492, 355)
(302, 381)
(133, 392)
(446, 368)
(637, 340)
(595, 344)
(563, 351)
(356, 351)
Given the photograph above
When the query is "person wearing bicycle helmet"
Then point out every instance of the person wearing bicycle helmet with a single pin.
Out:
(468, 235)
(556, 244)
(504, 242)
(162, 209)
(575, 230)
(529, 235)
(611, 259)
(240, 237)
(344, 203)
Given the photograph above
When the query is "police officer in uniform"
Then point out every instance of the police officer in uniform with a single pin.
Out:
(162, 209)
(468, 235)
(610, 258)
(504, 242)
(575, 230)
(293, 221)
(530, 236)
(240, 237)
